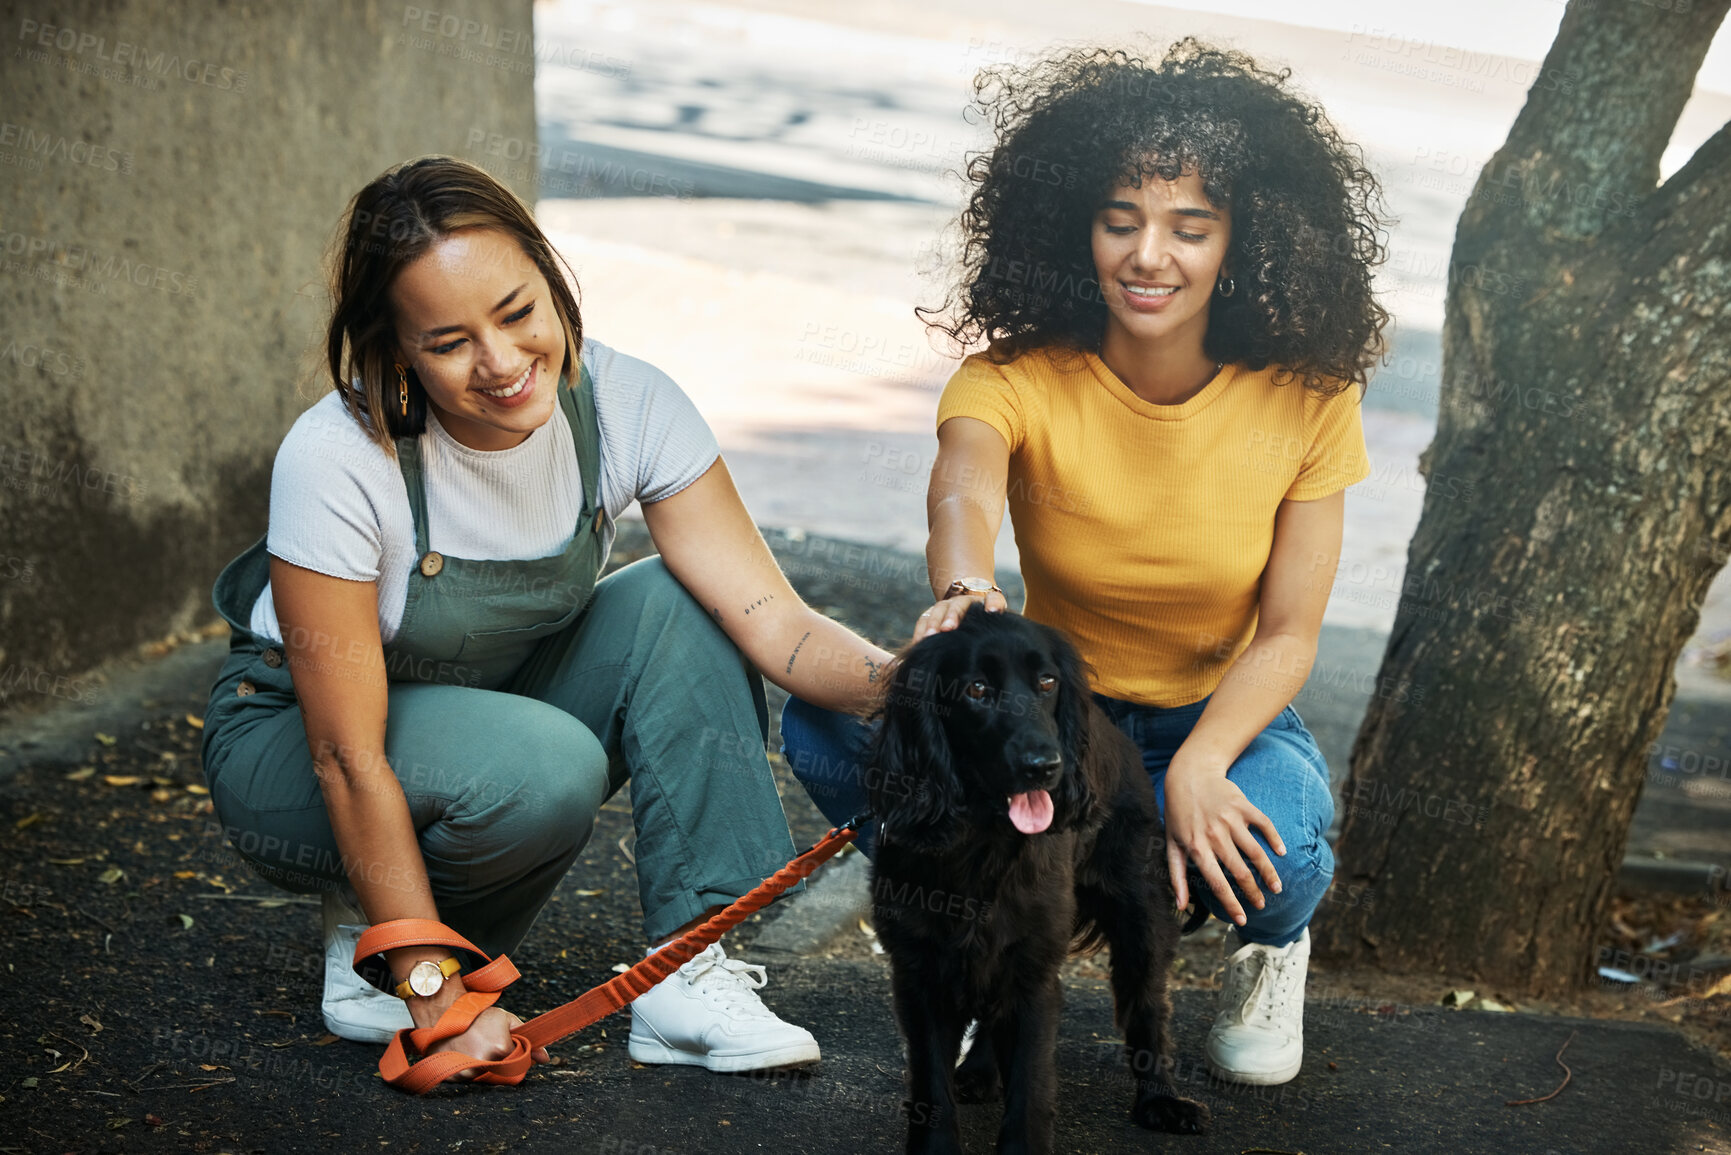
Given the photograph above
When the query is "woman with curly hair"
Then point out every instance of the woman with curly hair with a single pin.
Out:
(1170, 265)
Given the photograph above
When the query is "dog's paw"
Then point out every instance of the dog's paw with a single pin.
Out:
(977, 1078)
(979, 1084)
(1171, 1114)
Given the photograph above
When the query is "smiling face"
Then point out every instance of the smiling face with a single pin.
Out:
(1158, 251)
(475, 320)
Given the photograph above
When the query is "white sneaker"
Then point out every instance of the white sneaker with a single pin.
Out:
(707, 1014)
(354, 1008)
(1258, 1031)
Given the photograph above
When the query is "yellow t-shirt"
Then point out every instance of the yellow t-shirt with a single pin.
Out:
(1144, 529)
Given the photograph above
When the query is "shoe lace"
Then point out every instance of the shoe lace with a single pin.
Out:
(731, 983)
(1260, 981)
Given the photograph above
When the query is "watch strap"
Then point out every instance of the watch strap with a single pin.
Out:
(960, 586)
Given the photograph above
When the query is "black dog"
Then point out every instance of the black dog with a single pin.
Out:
(1019, 824)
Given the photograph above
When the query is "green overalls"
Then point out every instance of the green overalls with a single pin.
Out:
(521, 695)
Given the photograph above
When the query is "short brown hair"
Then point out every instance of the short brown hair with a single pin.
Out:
(390, 224)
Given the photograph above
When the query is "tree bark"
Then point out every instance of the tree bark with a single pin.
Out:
(1577, 506)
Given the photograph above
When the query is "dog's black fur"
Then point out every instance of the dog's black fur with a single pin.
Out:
(976, 916)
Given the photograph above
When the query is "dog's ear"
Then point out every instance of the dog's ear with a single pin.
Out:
(911, 775)
(1075, 795)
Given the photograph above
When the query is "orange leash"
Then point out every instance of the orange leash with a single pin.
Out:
(484, 984)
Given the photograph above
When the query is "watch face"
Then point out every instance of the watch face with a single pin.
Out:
(426, 978)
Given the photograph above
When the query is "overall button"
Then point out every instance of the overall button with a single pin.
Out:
(244, 690)
(273, 658)
(432, 563)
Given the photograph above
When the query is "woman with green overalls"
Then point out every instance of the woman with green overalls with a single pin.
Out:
(429, 695)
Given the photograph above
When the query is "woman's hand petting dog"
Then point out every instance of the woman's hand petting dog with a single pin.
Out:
(947, 613)
(1208, 822)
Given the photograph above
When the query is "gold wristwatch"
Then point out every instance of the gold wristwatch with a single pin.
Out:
(427, 976)
(977, 587)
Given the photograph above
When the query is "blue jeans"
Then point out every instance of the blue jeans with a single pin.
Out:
(1281, 772)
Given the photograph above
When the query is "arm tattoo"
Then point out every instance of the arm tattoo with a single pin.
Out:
(758, 604)
(872, 671)
(795, 653)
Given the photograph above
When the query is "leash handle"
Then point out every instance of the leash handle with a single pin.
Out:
(484, 984)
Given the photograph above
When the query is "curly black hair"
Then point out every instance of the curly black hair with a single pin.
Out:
(1306, 220)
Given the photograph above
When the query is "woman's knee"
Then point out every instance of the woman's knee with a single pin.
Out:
(1305, 872)
(1281, 779)
(1279, 776)
(1304, 880)
(562, 782)
(525, 772)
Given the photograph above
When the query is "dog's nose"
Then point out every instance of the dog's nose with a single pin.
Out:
(1036, 767)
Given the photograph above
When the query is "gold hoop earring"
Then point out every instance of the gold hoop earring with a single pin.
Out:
(403, 388)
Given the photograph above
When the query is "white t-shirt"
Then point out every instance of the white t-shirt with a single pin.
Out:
(339, 504)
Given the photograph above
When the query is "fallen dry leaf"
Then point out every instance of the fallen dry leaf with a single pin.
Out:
(122, 779)
(30, 819)
(195, 721)
(195, 788)
(106, 739)
(325, 1041)
(111, 876)
(64, 861)
(90, 1021)
(81, 773)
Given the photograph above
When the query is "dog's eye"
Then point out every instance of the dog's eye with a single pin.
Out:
(1045, 683)
(975, 690)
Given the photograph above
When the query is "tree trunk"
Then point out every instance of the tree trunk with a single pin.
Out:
(1577, 505)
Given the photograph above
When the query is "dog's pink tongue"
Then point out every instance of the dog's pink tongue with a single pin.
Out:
(1031, 811)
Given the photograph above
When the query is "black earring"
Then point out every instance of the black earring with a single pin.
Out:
(1226, 287)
